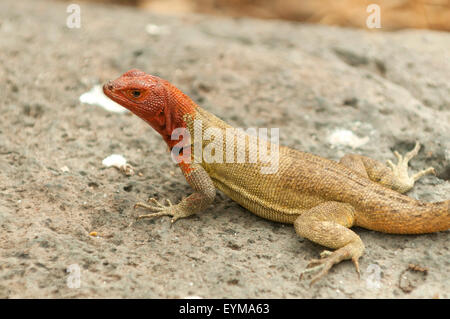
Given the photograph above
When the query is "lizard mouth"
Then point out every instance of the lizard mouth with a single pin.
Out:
(109, 89)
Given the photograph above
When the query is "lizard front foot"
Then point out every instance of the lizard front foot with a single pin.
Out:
(175, 211)
(400, 170)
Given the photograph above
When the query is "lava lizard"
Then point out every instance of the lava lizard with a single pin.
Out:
(321, 197)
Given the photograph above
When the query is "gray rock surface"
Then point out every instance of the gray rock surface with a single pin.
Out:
(308, 80)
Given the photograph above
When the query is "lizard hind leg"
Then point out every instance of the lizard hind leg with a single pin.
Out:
(328, 224)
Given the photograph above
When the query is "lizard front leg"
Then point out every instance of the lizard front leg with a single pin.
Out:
(394, 176)
(327, 224)
(204, 195)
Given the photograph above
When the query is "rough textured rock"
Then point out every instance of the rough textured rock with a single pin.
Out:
(308, 80)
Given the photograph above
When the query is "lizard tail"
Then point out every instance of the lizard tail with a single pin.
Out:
(419, 218)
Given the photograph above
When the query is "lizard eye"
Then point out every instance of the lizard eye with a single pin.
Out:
(135, 93)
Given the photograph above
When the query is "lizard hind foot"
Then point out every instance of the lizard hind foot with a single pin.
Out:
(400, 170)
(328, 259)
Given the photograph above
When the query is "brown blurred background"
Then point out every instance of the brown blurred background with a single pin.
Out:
(395, 14)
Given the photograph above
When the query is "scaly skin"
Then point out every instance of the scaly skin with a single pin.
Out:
(320, 197)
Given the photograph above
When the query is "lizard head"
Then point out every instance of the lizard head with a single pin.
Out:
(153, 99)
(141, 93)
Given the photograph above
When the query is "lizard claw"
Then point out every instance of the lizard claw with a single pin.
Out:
(158, 209)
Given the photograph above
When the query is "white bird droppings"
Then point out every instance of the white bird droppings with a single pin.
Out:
(155, 29)
(115, 160)
(118, 161)
(96, 97)
(346, 138)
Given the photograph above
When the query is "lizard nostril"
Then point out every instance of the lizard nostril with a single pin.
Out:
(109, 86)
